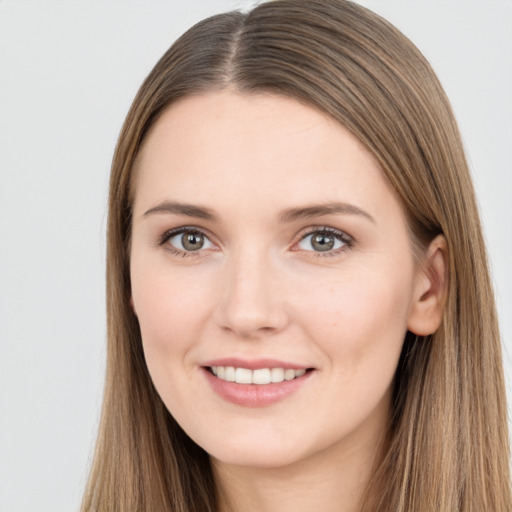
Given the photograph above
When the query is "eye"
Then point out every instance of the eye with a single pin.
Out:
(185, 241)
(325, 240)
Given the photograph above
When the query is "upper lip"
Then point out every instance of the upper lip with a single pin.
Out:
(255, 364)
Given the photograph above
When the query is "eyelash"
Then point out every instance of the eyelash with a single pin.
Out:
(175, 232)
(347, 240)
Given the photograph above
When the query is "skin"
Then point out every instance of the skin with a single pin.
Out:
(259, 288)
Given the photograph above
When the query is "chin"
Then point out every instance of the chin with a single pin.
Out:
(256, 458)
(259, 453)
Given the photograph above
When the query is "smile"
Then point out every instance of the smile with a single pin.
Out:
(260, 376)
(266, 383)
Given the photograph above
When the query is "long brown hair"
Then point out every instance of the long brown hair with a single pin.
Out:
(448, 440)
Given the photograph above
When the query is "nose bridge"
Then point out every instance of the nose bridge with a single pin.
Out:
(251, 303)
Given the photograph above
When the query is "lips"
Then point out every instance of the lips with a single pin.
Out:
(255, 383)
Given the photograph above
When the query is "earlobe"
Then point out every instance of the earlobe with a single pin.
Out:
(430, 290)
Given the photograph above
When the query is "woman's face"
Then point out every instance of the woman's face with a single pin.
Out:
(266, 242)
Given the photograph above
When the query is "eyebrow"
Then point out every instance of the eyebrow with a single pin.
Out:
(287, 216)
(317, 210)
(185, 209)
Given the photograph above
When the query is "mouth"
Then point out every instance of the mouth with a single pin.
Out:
(264, 383)
(259, 376)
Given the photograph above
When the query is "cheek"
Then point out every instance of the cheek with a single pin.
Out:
(170, 307)
(171, 310)
(358, 326)
(360, 321)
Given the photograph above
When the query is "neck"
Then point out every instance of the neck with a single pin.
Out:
(331, 481)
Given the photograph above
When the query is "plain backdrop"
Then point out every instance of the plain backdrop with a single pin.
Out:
(68, 72)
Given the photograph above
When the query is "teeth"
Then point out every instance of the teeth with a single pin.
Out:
(289, 374)
(242, 375)
(260, 376)
(230, 374)
(277, 375)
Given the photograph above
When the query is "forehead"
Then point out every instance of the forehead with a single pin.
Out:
(252, 148)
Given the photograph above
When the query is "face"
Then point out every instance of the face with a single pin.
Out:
(268, 249)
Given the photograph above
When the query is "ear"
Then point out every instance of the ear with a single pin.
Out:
(430, 289)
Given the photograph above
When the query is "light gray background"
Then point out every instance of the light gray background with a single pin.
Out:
(68, 73)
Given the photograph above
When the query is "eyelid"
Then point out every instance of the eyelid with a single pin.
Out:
(171, 233)
(340, 235)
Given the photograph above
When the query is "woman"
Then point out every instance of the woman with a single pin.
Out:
(299, 306)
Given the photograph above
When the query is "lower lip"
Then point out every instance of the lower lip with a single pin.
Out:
(255, 395)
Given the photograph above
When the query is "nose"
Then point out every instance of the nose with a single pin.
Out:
(251, 301)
